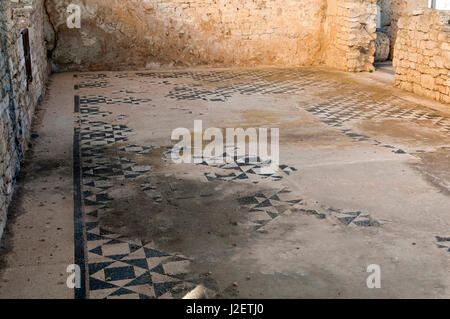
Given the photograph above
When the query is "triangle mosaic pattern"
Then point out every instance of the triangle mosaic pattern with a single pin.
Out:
(233, 167)
(121, 267)
(354, 218)
(263, 207)
(443, 243)
(246, 168)
(117, 266)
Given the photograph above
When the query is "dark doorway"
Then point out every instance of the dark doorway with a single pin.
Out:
(27, 55)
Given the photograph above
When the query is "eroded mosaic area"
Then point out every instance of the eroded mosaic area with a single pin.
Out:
(118, 266)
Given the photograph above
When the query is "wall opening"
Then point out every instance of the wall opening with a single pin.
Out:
(27, 55)
(439, 4)
(378, 18)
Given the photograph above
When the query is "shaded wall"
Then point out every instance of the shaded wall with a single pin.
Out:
(391, 11)
(17, 100)
(350, 34)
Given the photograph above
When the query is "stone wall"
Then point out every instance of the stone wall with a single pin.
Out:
(422, 54)
(136, 33)
(17, 102)
(5, 123)
(117, 34)
(350, 31)
(391, 11)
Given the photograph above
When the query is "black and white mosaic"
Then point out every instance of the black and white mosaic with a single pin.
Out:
(340, 110)
(97, 133)
(152, 190)
(124, 268)
(356, 218)
(138, 149)
(121, 267)
(247, 82)
(245, 168)
(263, 207)
(443, 243)
(92, 85)
(232, 167)
(88, 100)
(91, 76)
(117, 266)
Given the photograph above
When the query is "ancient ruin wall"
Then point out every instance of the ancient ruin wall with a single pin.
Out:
(391, 11)
(118, 34)
(350, 34)
(422, 54)
(5, 122)
(17, 102)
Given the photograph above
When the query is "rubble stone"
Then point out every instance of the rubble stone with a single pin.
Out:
(17, 99)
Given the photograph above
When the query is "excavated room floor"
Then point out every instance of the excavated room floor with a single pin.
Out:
(364, 179)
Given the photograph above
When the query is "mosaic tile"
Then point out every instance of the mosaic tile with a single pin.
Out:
(293, 81)
(133, 148)
(443, 243)
(121, 267)
(98, 100)
(357, 218)
(118, 267)
(342, 109)
(237, 167)
(263, 207)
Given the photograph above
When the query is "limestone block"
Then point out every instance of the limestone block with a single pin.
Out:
(422, 49)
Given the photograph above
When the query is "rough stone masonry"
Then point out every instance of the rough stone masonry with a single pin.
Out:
(422, 54)
(391, 11)
(118, 34)
(18, 98)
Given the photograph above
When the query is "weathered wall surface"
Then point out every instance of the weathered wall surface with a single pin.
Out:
(5, 122)
(422, 54)
(350, 32)
(116, 33)
(391, 11)
(17, 103)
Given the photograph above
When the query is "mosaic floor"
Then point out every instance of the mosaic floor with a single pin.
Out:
(108, 154)
(117, 266)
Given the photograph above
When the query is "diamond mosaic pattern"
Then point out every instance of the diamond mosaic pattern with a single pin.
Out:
(341, 109)
(121, 267)
(292, 81)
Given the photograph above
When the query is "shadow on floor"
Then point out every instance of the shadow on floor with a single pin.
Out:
(385, 67)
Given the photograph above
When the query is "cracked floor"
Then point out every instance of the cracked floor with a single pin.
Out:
(364, 179)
